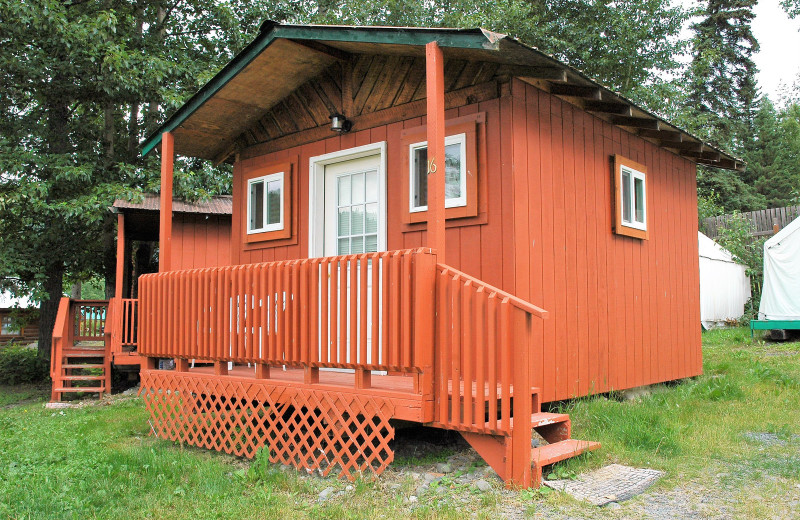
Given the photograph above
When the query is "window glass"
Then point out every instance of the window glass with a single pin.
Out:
(452, 179)
(265, 203)
(274, 202)
(420, 177)
(626, 195)
(256, 205)
(639, 199)
(454, 176)
(358, 212)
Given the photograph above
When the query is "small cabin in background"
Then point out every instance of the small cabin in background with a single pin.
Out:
(19, 320)
(439, 226)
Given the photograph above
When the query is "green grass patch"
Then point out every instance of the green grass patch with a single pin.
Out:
(100, 462)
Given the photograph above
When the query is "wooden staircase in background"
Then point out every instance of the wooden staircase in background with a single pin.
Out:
(80, 360)
(554, 428)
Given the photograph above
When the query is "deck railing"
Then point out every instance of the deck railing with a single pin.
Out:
(124, 317)
(371, 311)
(483, 354)
(467, 343)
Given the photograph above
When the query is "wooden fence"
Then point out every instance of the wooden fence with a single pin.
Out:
(762, 221)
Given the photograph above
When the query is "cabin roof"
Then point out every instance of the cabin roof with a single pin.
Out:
(284, 57)
(217, 205)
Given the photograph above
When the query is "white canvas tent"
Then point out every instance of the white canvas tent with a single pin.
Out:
(724, 286)
(780, 296)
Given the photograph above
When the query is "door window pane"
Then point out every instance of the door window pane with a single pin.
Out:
(357, 181)
(344, 222)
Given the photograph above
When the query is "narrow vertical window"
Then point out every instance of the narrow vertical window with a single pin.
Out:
(630, 181)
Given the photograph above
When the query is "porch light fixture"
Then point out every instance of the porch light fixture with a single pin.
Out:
(340, 124)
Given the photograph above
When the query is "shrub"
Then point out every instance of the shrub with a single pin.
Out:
(19, 364)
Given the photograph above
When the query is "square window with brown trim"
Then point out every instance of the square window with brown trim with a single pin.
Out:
(268, 203)
(461, 169)
(630, 188)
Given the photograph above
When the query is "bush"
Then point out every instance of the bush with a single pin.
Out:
(19, 364)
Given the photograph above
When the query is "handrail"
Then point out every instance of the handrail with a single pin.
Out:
(314, 312)
(484, 338)
(61, 333)
(513, 300)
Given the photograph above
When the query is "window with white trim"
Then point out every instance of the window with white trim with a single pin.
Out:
(634, 199)
(265, 203)
(455, 148)
(630, 199)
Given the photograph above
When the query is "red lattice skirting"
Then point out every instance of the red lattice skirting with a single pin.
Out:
(317, 430)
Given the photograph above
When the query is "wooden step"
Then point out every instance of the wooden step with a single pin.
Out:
(562, 450)
(87, 365)
(83, 354)
(82, 378)
(545, 418)
(86, 389)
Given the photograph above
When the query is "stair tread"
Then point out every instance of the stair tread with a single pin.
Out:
(87, 365)
(82, 378)
(551, 453)
(90, 389)
(84, 354)
(544, 418)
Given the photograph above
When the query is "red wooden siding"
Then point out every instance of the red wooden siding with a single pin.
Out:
(200, 241)
(474, 248)
(625, 312)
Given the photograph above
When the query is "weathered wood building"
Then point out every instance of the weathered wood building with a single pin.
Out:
(416, 208)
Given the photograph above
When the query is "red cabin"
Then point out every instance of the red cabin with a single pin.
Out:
(435, 225)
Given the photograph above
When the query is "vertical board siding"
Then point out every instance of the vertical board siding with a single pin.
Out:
(624, 312)
(200, 241)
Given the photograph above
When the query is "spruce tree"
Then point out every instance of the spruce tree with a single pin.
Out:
(722, 94)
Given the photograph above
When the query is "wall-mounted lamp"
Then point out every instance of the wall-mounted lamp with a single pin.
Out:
(340, 124)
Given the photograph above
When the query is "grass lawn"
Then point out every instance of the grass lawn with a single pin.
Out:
(728, 442)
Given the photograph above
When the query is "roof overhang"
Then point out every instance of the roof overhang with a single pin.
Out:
(283, 57)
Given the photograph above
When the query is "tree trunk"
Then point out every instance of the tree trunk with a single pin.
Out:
(48, 309)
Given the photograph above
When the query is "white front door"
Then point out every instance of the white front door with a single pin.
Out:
(352, 209)
(348, 216)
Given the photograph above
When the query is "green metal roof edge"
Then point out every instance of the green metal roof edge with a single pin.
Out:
(270, 31)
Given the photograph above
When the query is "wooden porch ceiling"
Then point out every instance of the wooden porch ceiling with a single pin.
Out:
(291, 79)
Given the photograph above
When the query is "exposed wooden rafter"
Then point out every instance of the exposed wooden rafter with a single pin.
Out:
(662, 135)
(579, 91)
(608, 107)
(636, 122)
(554, 74)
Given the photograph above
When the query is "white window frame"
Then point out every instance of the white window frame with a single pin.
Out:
(448, 202)
(266, 179)
(635, 174)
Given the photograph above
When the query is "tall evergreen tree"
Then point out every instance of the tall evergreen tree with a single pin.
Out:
(722, 94)
(82, 82)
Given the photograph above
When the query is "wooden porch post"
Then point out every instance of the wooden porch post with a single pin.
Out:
(121, 260)
(434, 85)
(165, 227)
